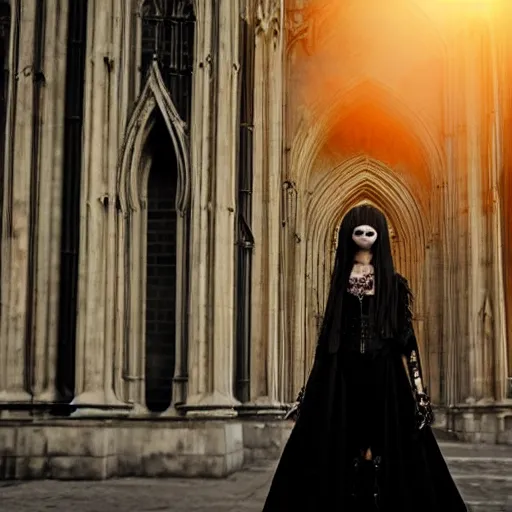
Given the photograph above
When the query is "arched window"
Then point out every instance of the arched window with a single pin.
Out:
(161, 269)
(168, 37)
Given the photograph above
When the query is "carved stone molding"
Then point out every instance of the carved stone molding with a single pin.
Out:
(299, 26)
(304, 22)
(156, 94)
(268, 18)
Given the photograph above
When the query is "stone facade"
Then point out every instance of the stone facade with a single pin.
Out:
(173, 175)
(87, 448)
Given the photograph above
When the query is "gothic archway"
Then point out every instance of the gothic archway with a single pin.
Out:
(153, 182)
(357, 180)
(311, 170)
(309, 140)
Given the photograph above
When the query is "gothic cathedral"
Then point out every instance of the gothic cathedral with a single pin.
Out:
(172, 176)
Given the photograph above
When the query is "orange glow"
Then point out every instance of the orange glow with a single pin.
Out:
(401, 80)
(369, 130)
(395, 54)
(464, 4)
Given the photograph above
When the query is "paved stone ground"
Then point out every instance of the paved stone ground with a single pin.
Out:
(483, 473)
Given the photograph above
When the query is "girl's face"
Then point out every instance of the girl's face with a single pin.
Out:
(364, 237)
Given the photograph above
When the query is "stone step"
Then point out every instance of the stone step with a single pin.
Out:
(485, 491)
(483, 474)
(478, 506)
(480, 465)
(475, 450)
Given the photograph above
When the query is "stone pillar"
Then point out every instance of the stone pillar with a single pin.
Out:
(47, 258)
(267, 157)
(214, 135)
(503, 57)
(120, 75)
(485, 318)
(17, 211)
(486, 295)
(497, 347)
(476, 107)
(454, 227)
(94, 351)
(293, 352)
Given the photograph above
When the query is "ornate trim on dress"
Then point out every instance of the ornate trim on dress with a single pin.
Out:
(361, 285)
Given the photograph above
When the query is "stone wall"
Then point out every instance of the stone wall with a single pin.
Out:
(95, 449)
(98, 449)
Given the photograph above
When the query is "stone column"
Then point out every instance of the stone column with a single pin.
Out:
(486, 312)
(267, 155)
(504, 71)
(16, 215)
(455, 229)
(475, 78)
(291, 365)
(46, 300)
(94, 351)
(213, 142)
(120, 74)
(497, 349)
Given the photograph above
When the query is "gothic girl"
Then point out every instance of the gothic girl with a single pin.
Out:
(362, 439)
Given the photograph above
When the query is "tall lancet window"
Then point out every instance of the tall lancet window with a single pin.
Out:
(5, 33)
(168, 37)
(161, 270)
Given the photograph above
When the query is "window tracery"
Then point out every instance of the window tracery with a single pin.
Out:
(167, 36)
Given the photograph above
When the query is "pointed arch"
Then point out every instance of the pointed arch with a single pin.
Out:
(309, 140)
(154, 106)
(343, 185)
(356, 180)
(346, 185)
(154, 97)
(378, 94)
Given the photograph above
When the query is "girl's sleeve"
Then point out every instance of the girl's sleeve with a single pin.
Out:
(412, 355)
(410, 343)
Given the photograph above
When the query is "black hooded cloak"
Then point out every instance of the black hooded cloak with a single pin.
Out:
(351, 400)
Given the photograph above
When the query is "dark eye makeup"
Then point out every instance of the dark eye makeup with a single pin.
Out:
(360, 232)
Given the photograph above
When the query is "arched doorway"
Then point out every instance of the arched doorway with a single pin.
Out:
(161, 256)
(357, 180)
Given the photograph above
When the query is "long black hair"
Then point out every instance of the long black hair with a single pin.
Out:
(385, 309)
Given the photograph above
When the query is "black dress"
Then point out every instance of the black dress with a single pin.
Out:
(357, 398)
